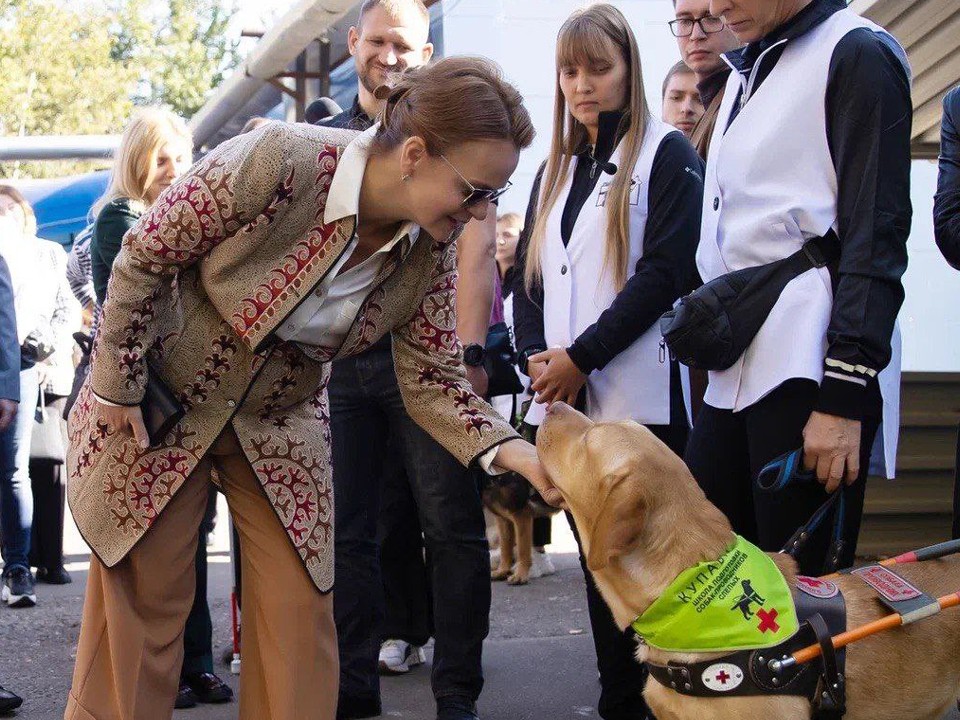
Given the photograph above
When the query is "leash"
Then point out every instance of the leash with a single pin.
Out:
(787, 470)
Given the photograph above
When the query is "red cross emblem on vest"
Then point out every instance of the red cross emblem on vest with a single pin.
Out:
(768, 620)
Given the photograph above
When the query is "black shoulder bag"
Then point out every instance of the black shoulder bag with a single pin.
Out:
(713, 326)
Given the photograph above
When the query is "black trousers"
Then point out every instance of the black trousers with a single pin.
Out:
(198, 631)
(728, 449)
(622, 678)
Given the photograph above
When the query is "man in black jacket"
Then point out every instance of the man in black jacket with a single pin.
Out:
(383, 492)
(946, 223)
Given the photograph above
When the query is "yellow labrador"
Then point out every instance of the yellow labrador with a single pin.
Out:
(643, 520)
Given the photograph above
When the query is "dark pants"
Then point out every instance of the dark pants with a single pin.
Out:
(622, 678)
(49, 491)
(367, 414)
(16, 495)
(198, 631)
(407, 594)
(727, 450)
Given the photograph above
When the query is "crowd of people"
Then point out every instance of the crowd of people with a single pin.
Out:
(296, 302)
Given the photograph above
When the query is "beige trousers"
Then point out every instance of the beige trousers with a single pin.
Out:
(131, 638)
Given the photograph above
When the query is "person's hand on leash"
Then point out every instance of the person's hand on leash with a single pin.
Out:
(8, 411)
(560, 380)
(126, 419)
(831, 447)
(521, 457)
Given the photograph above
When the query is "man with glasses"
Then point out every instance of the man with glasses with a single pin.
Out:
(385, 491)
(703, 38)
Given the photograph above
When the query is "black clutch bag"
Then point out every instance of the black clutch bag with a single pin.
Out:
(161, 409)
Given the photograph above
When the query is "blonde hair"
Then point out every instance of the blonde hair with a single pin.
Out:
(29, 219)
(585, 38)
(135, 163)
(511, 218)
(449, 102)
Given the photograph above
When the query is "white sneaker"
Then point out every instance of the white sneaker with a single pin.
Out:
(541, 565)
(398, 657)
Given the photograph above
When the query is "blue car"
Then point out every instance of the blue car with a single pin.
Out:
(62, 205)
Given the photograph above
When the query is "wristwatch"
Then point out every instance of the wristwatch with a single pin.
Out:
(473, 355)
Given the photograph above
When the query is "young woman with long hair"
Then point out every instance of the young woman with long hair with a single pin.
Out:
(155, 149)
(608, 246)
(282, 249)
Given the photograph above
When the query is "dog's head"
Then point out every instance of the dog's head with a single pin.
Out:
(625, 488)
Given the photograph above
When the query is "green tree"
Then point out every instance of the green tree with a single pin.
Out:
(80, 66)
(57, 75)
(180, 49)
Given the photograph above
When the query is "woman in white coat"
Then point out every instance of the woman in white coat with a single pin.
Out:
(608, 246)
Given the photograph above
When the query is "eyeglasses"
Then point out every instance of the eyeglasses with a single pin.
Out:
(476, 196)
(709, 24)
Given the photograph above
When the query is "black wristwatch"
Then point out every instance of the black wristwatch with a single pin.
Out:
(473, 355)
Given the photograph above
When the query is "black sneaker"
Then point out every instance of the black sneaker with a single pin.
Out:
(186, 698)
(454, 708)
(208, 688)
(9, 701)
(18, 589)
(54, 576)
(355, 708)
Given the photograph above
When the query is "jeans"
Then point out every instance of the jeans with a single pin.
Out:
(368, 415)
(16, 495)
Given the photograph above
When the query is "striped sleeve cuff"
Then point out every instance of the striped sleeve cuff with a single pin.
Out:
(843, 390)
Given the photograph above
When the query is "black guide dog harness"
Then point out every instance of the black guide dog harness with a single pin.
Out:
(821, 611)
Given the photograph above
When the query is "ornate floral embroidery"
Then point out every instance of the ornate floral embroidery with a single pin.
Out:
(288, 274)
(215, 365)
(299, 489)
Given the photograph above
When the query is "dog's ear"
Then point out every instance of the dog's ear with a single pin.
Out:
(619, 524)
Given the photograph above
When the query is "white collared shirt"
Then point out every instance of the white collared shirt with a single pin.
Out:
(325, 317)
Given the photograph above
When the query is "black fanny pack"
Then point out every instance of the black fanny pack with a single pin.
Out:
(713, 326)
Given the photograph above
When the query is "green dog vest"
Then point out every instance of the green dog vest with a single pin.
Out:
(739, 602)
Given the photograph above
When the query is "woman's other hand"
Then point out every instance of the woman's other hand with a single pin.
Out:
(126, 419)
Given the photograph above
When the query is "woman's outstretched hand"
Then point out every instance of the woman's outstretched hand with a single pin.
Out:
(521, 457)
(126, 419)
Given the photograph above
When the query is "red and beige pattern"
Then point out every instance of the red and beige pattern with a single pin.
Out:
(199, 287)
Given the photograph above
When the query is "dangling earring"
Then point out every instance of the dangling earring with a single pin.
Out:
(405, 177)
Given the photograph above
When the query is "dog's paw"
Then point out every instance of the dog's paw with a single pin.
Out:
(498, 574)
(520, 576)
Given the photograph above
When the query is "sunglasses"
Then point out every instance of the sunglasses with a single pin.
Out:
(477, 196)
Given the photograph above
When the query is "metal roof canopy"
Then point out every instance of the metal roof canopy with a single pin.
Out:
(282, 44)
(929, 31)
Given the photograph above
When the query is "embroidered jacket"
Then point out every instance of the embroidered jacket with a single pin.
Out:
(200, 285)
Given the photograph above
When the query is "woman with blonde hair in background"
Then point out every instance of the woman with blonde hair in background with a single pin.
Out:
(155, 150)
(608, 246)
